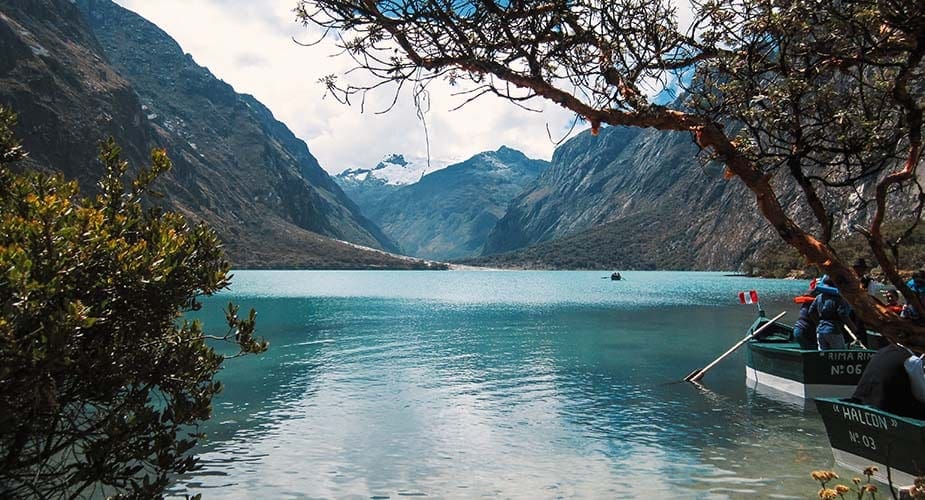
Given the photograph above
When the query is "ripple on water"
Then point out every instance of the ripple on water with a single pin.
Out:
(393, 385)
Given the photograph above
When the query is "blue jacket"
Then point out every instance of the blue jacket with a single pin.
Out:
(908, 311)
(806, 321)
(832, 311)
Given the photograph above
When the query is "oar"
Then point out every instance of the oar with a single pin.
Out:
(853, 336)
(698, 374)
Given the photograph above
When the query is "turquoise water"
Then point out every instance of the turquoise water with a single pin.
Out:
(504, 384)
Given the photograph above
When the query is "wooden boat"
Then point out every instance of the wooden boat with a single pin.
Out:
(776, 362)
(862, 436)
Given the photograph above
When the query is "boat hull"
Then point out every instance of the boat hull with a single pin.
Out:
(802, 373)
(862, 436)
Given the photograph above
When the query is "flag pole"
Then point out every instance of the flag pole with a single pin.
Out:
(754, 293)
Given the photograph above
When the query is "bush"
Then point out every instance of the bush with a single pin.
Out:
(101, 384)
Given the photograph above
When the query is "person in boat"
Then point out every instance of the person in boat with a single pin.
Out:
(834, 314)
(861, 268)
(893, 381)
(616, 276)
(891, 296)
(804, 330)
(917, 285)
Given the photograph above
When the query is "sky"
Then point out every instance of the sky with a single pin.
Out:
(249, 44)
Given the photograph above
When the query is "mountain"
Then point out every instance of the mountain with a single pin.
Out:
(220, 130)
(77, 72)
(367, 187)
(53, 72)
(629, 198)
(393, 170)
(449, 213)
(603, 247)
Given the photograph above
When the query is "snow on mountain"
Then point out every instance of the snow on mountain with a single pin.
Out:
(393, 170)
(448, 214)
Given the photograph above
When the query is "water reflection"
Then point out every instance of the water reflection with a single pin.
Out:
(471, 396)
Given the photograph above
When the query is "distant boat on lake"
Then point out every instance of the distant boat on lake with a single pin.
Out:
(616, 276)
(777, 362)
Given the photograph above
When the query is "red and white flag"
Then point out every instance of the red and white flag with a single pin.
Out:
(749, 297)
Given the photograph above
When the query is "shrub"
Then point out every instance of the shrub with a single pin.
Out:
(101, 383)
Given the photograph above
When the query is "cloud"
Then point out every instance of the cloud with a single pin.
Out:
(249, 44)
(250, 60)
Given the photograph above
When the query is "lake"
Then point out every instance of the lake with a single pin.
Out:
(504, 384)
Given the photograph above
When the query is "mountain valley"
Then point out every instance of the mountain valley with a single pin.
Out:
(78, 72)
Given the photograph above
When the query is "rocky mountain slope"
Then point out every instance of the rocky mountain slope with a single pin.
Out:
(610, 246)
(53, 72)
(449, 213)
(77, 72)
(368, 186)
(641, 199)
(629, 198)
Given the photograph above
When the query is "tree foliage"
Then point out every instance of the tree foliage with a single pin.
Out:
(783, 261)
(101, 383)
(814, 105)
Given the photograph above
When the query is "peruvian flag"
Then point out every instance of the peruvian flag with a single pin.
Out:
(749, 297)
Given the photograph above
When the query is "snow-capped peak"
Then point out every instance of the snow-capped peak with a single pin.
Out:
(395, 170)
